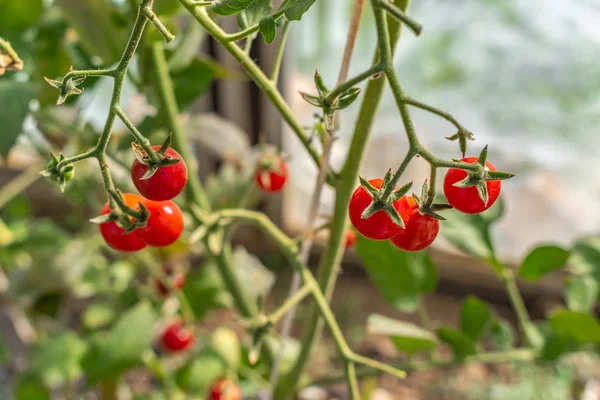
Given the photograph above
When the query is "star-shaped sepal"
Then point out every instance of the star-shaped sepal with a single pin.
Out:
(142, 156)
(329, 106)
(58, 175)
(481, 175)
(125, 221)
(382, 201)
(66, 87)
(426, 204)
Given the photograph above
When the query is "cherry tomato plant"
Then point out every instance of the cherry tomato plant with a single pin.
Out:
(165, 257)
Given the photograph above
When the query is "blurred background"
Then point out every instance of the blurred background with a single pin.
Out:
(521, 75)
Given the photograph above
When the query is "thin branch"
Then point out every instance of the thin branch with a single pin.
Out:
(280, 51)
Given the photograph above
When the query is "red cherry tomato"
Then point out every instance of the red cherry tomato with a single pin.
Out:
(419, 230)
(166, 183)
(174, 280)
(113, 233)
(164, 225)
(350, 238)
(271, 179)
(176, 337)
(378, 226)
(225, 389)
(467, 200)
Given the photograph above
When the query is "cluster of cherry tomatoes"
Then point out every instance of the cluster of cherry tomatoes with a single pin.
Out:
(165, 223)
(420, 230)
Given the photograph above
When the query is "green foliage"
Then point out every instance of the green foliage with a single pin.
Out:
(254, 13)
(268, 28)
(230, 7)
(194, 79)
(294, 9)
(475, 318)
(503, 334)
(401, 277)
(542, 260)
(198, 375)
(582, 327)
(29, 387)
(204, 290)
(581, 293)
(121, 347)
(15, 98)
(407, 337)
(461, 343)
(471, 232)
(56, 361)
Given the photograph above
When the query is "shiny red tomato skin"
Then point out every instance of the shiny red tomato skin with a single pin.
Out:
(467, 200)
(350, 239)
(379, 226)
(176, 282)
(225, 389)
(166, 183)
(277, 177)
(113, 233)
(419, 230)
(176, 337)
(164, 225)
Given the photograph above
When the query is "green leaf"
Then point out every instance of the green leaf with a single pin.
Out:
(554, 346)
(461, 344)
(29, 387)
(475, 316)
(581, 293)
(401, 277)
(294, 9)
(205, 291)
(56, 361)
(585, 257)
(582, 327)
(120, 348)
(503, 335)
(97, 316)
(470, 233)
(16, 18)
(225, 343)
(542, 260)
(14, 98)
(268, 29)
(195, 79)
(407, 337)
(198, 375)
(254, 13)
(186, 49)
(230, 7)
(166, 8)
(92, 21)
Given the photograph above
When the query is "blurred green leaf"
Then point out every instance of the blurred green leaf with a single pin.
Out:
(542, 260)
(56, 361)
(503, 334)
(471, 234)
(585, 257)
(97, 316)
(475, 317)
(461, 344)
(205, 291)
(166, 8)
(198, 375)
(29, 387)
(95, 27)
(407, 337)
(16, 17)
(268, 29)
(225, 343)
(581, 293)
(122, 346)
(194, 79)
(258, 279)
(186, 49)
(401, 277)
(582, 327)
(294, 9)
(15, 98)
(554, 346)
(6, 235)
(230, 7)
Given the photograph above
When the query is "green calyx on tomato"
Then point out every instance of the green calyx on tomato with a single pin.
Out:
(60, 176)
